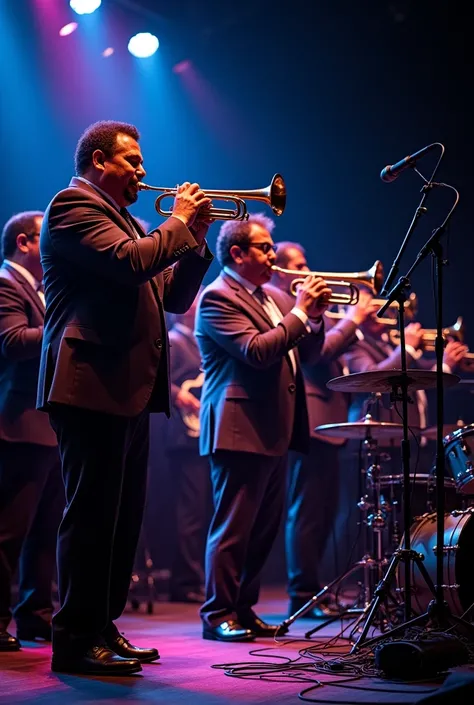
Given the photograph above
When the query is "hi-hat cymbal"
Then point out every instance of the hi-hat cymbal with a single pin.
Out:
(360, 430)
(389, 380)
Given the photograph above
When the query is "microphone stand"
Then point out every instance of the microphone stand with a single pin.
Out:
(437, 609)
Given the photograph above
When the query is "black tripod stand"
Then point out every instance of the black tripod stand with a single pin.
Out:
(437, 612)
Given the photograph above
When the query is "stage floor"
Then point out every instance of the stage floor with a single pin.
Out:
(185, 674)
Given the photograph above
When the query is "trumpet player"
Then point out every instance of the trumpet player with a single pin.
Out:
(103, 370)
(377, 350)
(253, 409)
(313, 486)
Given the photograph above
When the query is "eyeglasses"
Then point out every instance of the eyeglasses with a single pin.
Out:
(265, 247)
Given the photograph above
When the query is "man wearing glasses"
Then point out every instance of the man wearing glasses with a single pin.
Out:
(253, 410)
(31, 492)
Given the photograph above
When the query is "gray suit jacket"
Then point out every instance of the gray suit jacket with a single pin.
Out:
(251, 400)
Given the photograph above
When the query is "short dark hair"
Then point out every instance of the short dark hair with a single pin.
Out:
(101, 135)
(282, 258)
(237, 232)
(19, 223)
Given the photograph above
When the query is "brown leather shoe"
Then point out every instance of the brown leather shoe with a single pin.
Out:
(96, 661)
(227, 631)
(8, 642)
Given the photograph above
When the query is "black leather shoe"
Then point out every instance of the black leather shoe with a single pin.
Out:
(228, 631)
(125, 649)
(96, 661)
(193, 597)
(261, 628)
(8, 642)
(37, 630)
(323, 610)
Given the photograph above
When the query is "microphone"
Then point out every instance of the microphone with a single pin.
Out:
(393, 171)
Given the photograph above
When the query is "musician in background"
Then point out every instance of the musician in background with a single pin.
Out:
(376, 351)
(314, 479)
(187, 470)
(31, 491)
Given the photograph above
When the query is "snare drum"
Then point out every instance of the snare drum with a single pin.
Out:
(458, 450)
(458, 550)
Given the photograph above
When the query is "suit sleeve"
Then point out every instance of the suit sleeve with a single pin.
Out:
(17, 340)
(83, 234)
(337, 340)
(359, 360)
(234, 331)
(182, 281)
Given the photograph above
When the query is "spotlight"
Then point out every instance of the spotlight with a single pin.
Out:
(68, 29)
(108, 52)
(85, 7)
(143, 45)
(182, 66)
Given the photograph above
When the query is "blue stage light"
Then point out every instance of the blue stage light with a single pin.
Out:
(85, 7)
(143, 45)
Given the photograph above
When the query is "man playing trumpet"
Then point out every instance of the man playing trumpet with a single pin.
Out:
(253, 409)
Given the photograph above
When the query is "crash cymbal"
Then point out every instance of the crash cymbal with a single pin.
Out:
(360, 430)
(388, 380)
(431, 432)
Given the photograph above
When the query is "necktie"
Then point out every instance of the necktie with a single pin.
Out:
(275, 315)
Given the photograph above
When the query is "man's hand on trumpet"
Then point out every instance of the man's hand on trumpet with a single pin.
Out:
(190, 202)
(312, 296)
(365, 307)
(454, 353)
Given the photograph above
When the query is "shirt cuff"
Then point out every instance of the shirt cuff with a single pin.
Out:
(311, 326)
(446, 368)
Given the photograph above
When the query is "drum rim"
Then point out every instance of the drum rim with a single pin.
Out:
(458, 433)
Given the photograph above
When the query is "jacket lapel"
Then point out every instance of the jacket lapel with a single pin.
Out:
(249, 301)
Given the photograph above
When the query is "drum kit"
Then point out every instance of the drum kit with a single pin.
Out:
(382, 494)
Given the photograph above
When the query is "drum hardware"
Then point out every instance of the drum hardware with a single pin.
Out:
(437, 612)
(376, 521)
(398, 383)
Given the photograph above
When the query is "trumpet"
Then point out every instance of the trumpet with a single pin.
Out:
(411, 307)
(372, 279)
(454, 332)
(273, 195)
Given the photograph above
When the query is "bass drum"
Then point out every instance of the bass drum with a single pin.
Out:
(457, 560)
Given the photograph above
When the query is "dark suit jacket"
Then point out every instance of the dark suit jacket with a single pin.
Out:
(326, 406)
(370, 354)
(185, 364)
(105, 344)
(251, 399)
(21, 331)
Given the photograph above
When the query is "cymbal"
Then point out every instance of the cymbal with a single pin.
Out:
(431, 433)
(359, 430)
(387, 380)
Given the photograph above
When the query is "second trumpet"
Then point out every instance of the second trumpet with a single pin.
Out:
(351, 281)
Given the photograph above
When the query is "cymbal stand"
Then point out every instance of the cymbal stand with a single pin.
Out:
(438, 612)
(376, 521)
